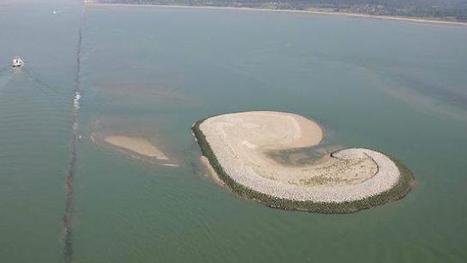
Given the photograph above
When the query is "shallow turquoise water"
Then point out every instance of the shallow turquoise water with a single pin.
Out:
(397, 87)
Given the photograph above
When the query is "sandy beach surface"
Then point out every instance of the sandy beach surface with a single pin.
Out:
(241, 141)
(91, 3)
(136, 145)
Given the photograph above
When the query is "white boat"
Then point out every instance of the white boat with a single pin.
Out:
(17, 62)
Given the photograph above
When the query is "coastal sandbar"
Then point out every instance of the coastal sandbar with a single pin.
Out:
(136, 145)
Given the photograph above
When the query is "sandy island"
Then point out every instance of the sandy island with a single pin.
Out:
(237, 147)
(137, 145)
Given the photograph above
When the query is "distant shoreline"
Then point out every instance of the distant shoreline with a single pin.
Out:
(419, 20)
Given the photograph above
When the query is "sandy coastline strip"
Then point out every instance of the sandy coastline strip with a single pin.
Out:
(136, 145)
(240, 140)
(420, 20)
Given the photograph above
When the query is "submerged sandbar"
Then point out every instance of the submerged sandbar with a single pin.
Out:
(237, 146)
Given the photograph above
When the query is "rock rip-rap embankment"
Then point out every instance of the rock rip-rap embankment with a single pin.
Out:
(237, 147)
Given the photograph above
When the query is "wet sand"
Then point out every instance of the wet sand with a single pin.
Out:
(210, 171)
(240, 142)
(136, 145)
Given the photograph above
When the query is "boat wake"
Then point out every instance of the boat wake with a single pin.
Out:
(4, 69)
(5, 79)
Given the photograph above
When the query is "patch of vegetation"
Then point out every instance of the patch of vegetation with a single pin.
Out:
(402, 188)
(438, 9)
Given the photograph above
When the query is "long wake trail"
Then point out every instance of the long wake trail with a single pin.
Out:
(69, 202)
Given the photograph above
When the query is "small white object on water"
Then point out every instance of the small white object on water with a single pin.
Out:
(54, 12)
(17, 62)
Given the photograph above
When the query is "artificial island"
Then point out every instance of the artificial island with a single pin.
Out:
(240, 148)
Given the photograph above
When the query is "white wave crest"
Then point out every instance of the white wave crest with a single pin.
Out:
(76, 100)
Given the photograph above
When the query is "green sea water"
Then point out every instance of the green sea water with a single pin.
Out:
(397, 87)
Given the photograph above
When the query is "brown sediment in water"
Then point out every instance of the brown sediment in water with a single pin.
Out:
(237, 146)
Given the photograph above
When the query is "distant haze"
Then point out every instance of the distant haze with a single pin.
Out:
(444, 9)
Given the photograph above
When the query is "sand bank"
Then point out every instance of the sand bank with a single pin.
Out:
(136, 145)
(237, 145)
(91, 3)
(210, 171)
